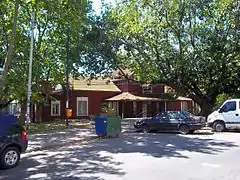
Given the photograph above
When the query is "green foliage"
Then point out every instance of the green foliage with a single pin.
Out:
(49, 59)
(192, 46)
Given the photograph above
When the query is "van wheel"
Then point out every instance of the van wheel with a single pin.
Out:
(219, 126)
(10, 157)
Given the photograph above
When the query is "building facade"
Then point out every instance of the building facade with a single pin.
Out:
(127, 98)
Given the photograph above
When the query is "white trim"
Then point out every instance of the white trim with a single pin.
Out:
(57, 103)
(82, 99)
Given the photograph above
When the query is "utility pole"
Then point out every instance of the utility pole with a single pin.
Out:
(29, 92)
(67, 72)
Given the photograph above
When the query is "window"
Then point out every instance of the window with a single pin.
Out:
(147, 89)
(55, 108)
(229, 106)
(82, 106)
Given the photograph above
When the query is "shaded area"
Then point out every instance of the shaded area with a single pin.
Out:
(43, 140)
(96, 161)
(164, 144)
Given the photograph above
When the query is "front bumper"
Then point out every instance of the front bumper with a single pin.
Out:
(197, 126)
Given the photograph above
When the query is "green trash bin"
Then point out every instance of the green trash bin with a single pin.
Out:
(113, 126)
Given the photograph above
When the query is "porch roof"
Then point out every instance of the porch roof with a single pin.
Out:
(184, 99)
(127, 96)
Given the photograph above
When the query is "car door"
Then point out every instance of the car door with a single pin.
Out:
(167, 122)
(230, 114)
(162, 121)
(174, 118)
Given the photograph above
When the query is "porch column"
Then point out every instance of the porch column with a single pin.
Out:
(122, 109)
(165, 105)
(157, 107)
(117, 107)
(193, 108)
(181, 105)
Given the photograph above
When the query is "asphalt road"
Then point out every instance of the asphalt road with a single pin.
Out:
(137, 156)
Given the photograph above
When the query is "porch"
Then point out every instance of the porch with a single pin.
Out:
(128, 105)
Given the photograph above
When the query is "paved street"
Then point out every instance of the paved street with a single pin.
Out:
(57, 138)
(137, 156)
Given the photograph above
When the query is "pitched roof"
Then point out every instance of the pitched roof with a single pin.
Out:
(88, 84)
(121, 73)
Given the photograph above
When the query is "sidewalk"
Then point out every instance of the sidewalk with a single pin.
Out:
(59, 138)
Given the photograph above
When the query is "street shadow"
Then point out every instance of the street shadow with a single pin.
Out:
(61, 137)
(96, 160)
(164, 144)
(64, 164)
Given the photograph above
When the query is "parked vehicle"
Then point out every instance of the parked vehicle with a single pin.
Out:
(226, 117)
(202, 119)
(13, 141)
(169, 121)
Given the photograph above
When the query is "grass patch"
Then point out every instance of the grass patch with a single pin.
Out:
(54, 126)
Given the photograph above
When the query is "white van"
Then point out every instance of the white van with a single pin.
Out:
(226, 117)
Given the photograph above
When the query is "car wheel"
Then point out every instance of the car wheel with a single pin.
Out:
(184, 129)
(145, 128)
(218, 126)
(10, 157)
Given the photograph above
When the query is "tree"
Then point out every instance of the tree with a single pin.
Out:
(192, 46)
(8, 46)
(52, 19)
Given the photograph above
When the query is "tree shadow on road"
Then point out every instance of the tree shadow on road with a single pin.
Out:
(95, 160)
(164, 145)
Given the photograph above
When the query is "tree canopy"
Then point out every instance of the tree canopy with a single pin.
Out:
(49, 63)
(192, 46)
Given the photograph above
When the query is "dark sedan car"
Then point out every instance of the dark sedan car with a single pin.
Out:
(13, 141)
(169, 121)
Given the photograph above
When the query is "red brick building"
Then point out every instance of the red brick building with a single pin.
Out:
(127, 97)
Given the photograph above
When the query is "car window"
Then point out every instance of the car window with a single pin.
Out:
(160, 116)
(177, 115)
(229, 106)
(6, 123)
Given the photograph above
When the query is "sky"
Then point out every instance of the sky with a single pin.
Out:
(97, 5)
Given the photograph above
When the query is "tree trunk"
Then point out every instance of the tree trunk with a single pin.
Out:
(33, 113)
(22, 113)
(39, 113)
(206, 108)
(205, 104)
